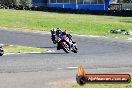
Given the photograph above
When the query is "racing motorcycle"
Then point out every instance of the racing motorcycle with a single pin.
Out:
(66, 44)
(63, 42)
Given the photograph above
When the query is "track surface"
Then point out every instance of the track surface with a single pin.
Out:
(55, 69)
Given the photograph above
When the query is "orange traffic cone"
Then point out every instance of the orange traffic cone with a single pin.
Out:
(81, 71)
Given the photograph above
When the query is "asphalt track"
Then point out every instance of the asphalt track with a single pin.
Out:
(56, 69)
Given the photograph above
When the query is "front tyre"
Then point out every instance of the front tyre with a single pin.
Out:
(65, 47)
(75, 50)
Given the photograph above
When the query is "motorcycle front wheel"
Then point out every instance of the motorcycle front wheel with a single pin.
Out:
(66, 47)
(74, 49)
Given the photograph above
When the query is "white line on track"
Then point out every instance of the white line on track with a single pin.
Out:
(72, 67)
(1, 44)
(67, 68)
(59, 68)
(92, 36)
(50, 51)
(130, 39)
(11, 54)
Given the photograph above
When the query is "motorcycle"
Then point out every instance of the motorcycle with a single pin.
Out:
(66, 45)
(63, 42)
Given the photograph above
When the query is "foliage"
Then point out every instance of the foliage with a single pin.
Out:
(17, 2)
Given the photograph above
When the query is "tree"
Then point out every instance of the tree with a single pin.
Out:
(25, 2)
(17, 2)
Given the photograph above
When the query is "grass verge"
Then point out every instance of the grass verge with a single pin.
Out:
(102, 85)
(21, 49)
(73, 23)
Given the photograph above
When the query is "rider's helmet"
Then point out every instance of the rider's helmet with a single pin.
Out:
(54, 29)
(58, 31)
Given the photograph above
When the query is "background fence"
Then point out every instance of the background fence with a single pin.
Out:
(78, 1)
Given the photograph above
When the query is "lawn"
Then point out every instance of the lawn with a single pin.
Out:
(73, 23)
(102, 86)
(21, 49)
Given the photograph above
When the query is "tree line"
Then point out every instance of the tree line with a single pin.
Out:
(17, 2)
(21, 5)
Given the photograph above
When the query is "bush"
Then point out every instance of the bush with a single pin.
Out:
(16, 2)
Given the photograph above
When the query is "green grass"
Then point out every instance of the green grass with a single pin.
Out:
(73, 23)
(21, 49)
(102, 86)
